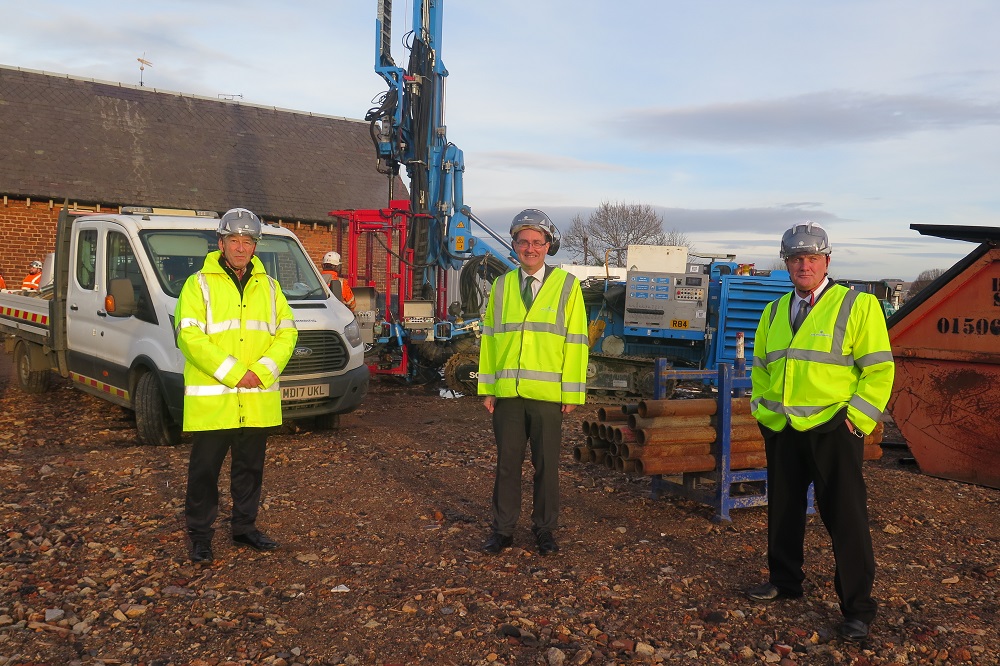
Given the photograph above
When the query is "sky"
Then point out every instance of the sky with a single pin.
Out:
(733, 119)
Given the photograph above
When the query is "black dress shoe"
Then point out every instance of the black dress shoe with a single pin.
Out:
(201, 551)
(853, 630)
(546, 544)
(256, 540)
(768, 592)
(496, 543)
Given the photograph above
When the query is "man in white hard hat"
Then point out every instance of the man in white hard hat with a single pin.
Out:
(822, 375)
(236, 332)
(33, 280)
(331, 271)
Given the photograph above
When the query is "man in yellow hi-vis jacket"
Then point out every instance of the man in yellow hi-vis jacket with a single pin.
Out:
(532, 370)
(236, 332)
(822, 374)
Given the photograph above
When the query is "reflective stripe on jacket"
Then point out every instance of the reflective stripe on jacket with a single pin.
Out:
(32, 281)
(840, 357)
(539, 354)
(222, 337)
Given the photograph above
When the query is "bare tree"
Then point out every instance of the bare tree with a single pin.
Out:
(677, 237)
(576, 242)
(924, 279)
(612, 228)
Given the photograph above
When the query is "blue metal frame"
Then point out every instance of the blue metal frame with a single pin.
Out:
(414, 128)
(731, 383)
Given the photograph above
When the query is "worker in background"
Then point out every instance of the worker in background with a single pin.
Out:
(822, 374)
(3, 283)
(33, 280)
(236, 332)
(532, 371)
(331, 271)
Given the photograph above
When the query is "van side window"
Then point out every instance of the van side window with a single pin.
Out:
(86, 258)
(122, 263)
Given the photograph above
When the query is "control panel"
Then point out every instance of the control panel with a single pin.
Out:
(676, 301)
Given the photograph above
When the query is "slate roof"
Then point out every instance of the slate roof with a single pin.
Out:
(97, 141)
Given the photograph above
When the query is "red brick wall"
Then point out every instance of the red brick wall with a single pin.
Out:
(28, 232)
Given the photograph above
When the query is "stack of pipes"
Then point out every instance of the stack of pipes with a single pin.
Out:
(677, 436)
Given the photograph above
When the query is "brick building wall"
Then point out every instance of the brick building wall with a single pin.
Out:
(28, 232)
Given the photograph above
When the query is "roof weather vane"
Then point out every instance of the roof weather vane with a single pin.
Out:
(142, 65)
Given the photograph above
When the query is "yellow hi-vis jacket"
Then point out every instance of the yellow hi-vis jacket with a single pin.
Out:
(541, 353)
(840, 357)
(222, 336)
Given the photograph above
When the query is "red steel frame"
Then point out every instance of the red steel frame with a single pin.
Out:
(392, 224)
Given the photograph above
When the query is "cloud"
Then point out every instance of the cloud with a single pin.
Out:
(510, 160)
(812, 119)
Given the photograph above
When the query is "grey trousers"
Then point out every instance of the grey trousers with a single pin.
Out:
(516, 422)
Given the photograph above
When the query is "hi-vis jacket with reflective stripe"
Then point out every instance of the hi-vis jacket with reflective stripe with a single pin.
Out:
(222, 336)
(839, 357)
(539, 354)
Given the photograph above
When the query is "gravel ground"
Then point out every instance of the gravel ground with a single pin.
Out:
(381, 524)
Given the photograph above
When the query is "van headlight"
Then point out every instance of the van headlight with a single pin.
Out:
(353, 333)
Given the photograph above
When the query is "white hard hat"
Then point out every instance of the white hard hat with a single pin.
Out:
(35, 264)
(332, 258)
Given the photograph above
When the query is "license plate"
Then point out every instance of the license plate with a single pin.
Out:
(679, 323)
(308, 392)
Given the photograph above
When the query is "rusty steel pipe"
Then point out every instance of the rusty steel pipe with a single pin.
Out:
(676, 465)
(695, 435)
(704, 463)
(607, 415)
(624, 434)
(737, 419)
(597, 443)
(742, 445)
(627, 466)
(708, 406)
(583, 454)
(609, 461)
(636, 451)
(637, 422)
(630, 408)
(599, 456)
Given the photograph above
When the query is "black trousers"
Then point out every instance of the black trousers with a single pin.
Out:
(246, 477)
(517, 421)
(830, 457)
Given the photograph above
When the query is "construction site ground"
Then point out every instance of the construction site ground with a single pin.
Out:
(382, 522)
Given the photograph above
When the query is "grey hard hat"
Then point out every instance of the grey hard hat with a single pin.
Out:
(532, 218)
(240, 222)
(805, 238)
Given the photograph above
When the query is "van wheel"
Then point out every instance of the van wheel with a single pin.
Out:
(30, 381)
(152, 420)
(327, 422)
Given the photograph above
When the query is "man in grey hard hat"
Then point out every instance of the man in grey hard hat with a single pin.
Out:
(822, 374)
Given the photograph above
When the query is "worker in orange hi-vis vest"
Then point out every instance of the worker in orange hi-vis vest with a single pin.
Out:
(3, 283)
(331, 271)
(33, 280)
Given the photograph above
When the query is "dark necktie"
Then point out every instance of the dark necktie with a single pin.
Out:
(527, 293)
(800, 315)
